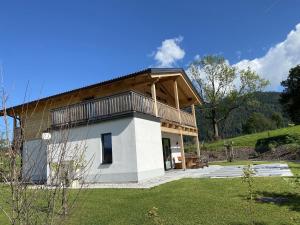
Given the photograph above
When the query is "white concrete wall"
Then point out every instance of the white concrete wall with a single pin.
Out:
(175, 144)
(136, 148)
(34, 161)
(123, 167)
(148, 149)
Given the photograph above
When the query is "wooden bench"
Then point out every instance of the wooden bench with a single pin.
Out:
(191, 162)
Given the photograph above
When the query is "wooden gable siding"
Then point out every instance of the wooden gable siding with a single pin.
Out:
(36, 118)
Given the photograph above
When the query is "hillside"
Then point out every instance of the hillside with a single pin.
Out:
(265, 103)
(251, 139)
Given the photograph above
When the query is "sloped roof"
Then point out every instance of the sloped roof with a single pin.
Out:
(118, 78)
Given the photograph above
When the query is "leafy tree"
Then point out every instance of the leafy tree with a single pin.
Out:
(257, 122)
(266, 103)
(277, 118)
(223, 87)
(290, 97)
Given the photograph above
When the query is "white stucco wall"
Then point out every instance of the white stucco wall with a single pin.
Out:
(136, 149)
(34, 167)
(148, 148)
(123, 167)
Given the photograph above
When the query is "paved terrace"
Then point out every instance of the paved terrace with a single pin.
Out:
(214, 171)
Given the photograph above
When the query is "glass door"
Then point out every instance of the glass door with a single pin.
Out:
(167, 153)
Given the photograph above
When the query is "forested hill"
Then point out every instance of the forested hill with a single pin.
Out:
(266, 103)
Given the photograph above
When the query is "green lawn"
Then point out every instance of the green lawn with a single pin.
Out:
(190, 202)
(250, 140)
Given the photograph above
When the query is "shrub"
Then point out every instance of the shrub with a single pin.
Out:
(292, 147)
(271, 143)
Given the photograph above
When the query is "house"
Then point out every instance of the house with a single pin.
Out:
(132, 126)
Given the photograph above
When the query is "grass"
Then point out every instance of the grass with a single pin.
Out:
(251, 139)
(189, 202)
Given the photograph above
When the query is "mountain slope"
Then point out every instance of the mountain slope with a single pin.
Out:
(266, 103)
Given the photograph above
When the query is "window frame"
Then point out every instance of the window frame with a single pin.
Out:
(104, 162)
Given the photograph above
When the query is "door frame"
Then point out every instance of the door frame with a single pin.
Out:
(170, 150)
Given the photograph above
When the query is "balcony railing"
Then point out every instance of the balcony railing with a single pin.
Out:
(187, 119)
(114, 105)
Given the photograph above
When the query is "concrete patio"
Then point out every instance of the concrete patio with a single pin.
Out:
(214, 171)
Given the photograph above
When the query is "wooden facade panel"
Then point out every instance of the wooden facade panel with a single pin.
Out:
(36, 117)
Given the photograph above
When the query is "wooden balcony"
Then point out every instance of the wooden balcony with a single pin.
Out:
(120, 104)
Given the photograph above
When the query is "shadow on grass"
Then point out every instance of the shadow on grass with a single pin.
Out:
(290, 200)
(255, 223)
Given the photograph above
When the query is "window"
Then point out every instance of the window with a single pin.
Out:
(106, 148)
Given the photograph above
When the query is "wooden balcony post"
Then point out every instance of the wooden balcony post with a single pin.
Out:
(182, 151)
(14, 123)
(177, 99)
(153, 94)
(196, 138)
(14, 129)
(194, 114)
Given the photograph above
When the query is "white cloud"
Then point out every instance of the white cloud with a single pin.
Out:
(169, 52)
(279, 59)
(197, 57)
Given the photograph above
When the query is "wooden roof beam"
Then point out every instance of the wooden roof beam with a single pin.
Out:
(165, 75)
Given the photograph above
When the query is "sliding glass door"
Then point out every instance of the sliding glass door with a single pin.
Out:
(167, 153)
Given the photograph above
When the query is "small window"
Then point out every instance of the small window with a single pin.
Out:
(106, 148)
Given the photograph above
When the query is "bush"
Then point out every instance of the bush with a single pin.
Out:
(271, 143)
(292, 147)
(190, 148)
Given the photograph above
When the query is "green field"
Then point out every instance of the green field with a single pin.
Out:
(251, 139)
(195, 201)
(190, 202)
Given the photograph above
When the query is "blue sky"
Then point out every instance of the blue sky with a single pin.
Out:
(60, 45)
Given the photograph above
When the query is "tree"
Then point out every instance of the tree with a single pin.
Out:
(290, 97)
(223, 87)
(21, 201)
(277, 118)
(257, 122)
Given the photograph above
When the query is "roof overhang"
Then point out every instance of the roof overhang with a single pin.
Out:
(154, 73)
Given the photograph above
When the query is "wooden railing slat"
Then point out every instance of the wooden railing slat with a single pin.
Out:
(117, 104)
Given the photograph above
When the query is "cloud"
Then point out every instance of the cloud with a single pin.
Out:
(279, 59)
(169, 52)
(197, 57)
